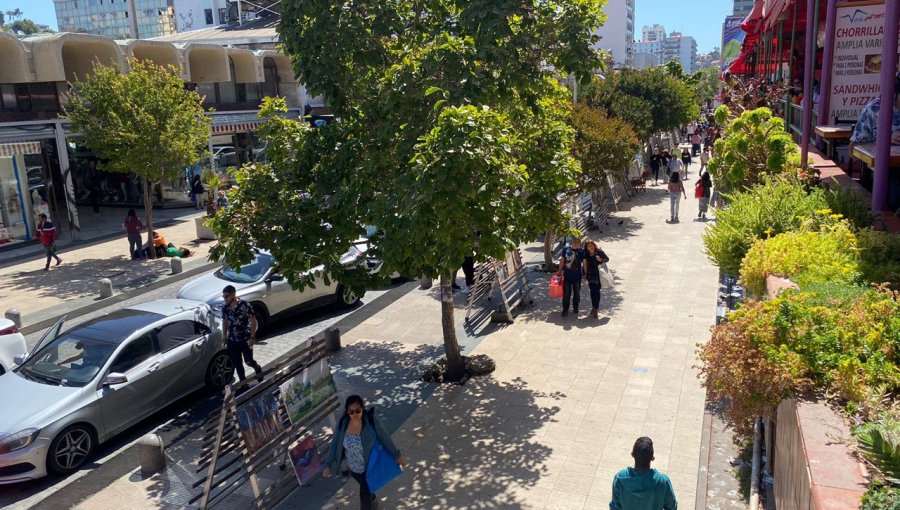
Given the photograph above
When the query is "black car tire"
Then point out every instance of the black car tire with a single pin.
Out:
(262, 317)
(70, 449)
(346, 297)
(220, 371)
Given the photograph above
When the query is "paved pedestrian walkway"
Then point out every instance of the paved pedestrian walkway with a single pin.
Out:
(25, 285)
(557, 419)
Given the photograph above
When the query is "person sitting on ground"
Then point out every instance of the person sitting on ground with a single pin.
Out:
(642, 487)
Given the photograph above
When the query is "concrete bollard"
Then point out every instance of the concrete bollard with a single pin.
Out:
(14, 315)
(151, 452)
(425, 283)
(106, 288)
(177, 265)
(333, 339)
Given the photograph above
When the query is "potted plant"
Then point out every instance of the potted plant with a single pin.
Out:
(213, 182)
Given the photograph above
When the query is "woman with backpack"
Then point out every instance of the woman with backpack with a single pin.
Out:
(353, 441)
(703, 190)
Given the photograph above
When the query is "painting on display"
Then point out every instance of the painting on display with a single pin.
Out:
(307, 390)
(258, 421)
(856, 65)
(305, 460)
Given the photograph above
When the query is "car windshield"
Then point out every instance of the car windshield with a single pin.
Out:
(248, 273)
(70, 360)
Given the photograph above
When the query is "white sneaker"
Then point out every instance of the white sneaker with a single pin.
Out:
(465, 289)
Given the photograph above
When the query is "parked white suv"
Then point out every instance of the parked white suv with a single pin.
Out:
(12, 344)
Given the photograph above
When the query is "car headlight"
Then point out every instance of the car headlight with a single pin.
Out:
(217, 307)
(17, 441)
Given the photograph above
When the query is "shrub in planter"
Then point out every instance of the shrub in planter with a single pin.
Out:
(805, 257)
(879, 254)
(769, 350)
(778, 206)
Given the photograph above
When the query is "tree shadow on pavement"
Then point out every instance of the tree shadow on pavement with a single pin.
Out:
(464, 444)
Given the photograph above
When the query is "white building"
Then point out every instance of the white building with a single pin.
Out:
(742, 7)
(682, 48)
(651, 47)
(617, 34)
(645, 60)
(656, 33)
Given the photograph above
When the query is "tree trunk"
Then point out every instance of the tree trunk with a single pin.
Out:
(456, 367)
(549, 237)
(148, 212)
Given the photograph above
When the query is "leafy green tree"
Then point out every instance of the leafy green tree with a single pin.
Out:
(14, 13)
(754, 144)
(453, 137)
(144, 122)
(25, 26)
(651, 100)
(602, 144)
(707, 84)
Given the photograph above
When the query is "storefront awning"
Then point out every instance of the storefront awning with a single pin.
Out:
(242, 127)
(752, 23)
(15, 149)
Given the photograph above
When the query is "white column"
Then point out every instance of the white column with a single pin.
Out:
(69, 188)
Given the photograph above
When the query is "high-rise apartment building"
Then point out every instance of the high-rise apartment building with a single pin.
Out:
(656, 33)
(742, 7)
(617, 34)
(120, 19)
(682, 48)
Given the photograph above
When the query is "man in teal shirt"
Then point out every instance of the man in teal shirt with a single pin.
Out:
(641, 487)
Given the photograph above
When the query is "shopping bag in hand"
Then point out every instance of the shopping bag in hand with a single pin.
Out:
(556, 286)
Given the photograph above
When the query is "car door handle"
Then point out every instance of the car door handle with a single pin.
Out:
(153, 368)
(200, 342)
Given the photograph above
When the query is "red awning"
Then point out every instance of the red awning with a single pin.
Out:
(780, 9)
(752, 22)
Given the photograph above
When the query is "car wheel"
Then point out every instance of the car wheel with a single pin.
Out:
(70, 449)
(2, 370)
(220, 371)
(262, 317)
(346, 297)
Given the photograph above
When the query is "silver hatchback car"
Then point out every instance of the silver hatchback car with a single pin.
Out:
(81, 387)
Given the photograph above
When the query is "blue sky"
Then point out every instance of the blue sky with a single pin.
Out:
(699, 18)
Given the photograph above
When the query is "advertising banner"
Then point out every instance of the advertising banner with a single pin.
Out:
(856, 70)
(732, 40)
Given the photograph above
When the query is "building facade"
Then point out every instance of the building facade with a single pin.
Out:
(119, 19)
(682, 48)
(44, 167)
(742, 7)
(617, 34)
(645, 60)
(656, 33)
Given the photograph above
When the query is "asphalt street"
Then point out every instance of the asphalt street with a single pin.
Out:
(119, 456)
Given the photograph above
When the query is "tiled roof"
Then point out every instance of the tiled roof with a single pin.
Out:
(260, 30)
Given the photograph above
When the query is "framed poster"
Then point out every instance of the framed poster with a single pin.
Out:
(307, 390)
(305, 460)
(258, 421)
(856, 68)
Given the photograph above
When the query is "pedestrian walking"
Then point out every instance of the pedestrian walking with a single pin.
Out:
(642, 487)
(48, 234)
(686, 161)
(594, 258)
(675, 166)
(133, 228)
(197, 192)
(239, 326)
(676, 187)
(696, 139)
(704, 159)
(353, 442)
(570, 267)
(656, 161)
(703, 193)
(667, 161)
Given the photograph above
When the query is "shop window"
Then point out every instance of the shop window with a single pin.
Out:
(7, 98)
(208, 92)
(209, 17)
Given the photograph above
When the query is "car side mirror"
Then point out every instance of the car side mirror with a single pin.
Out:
(275, 277)
(114, 379)
(19, 359)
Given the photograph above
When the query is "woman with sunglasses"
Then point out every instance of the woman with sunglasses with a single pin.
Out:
(353, 441)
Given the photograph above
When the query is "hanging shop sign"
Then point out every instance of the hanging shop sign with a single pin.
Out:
(856, 69)
(732, 40)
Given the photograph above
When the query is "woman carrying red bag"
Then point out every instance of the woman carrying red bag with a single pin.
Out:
(702, 191)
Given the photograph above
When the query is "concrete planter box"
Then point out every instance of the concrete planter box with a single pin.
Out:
(203, 231)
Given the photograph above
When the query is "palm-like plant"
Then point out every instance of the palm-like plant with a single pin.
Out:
(213, 182)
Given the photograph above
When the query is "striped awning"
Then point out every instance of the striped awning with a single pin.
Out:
(240, 127)
(14, 149)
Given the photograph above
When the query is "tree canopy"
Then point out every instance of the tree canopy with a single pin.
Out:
(144, 122)
(602, 143)
(651, 100)
(453, 137)
(25, 26)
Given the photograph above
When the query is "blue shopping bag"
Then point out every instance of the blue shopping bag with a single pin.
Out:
(382, 468)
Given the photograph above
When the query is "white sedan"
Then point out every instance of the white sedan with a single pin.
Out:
(12, 344)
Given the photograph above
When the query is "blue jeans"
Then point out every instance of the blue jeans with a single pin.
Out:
(674, 200)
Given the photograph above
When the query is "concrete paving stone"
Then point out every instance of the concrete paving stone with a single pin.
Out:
(560, 500)
(575, 484)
